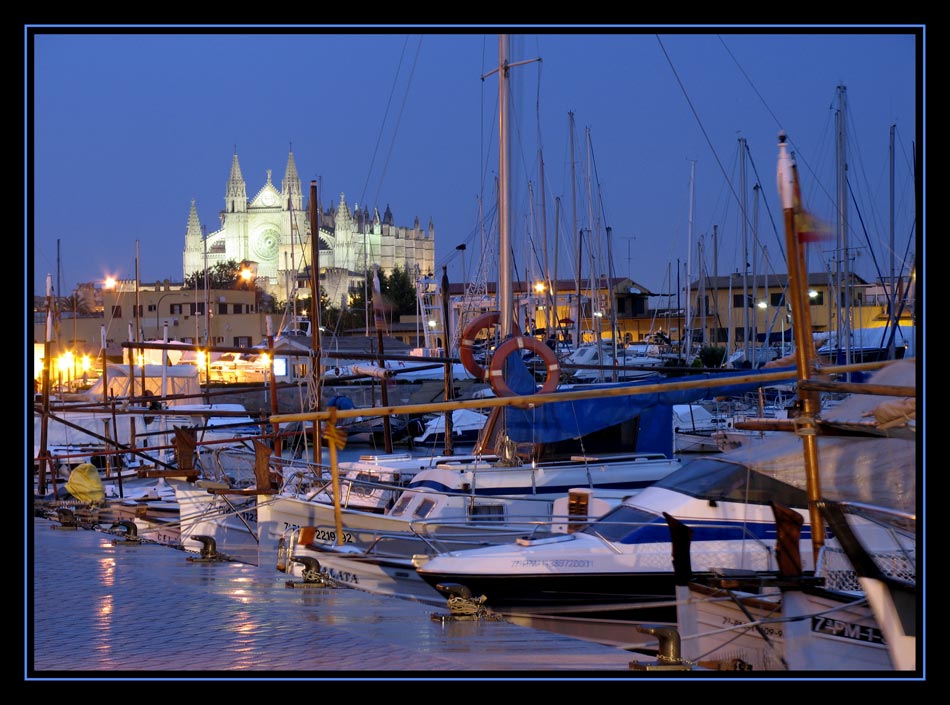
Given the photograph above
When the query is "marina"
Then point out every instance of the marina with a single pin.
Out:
(607, 522)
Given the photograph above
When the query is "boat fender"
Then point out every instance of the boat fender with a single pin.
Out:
(283, 554)
(520, 342)
(466, 351)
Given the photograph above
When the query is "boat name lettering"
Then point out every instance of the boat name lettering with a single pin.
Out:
(555, 563)
(847, 630)
(342, 576)
(771, 631)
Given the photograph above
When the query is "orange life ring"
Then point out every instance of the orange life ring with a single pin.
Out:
(466, 352)
(520, 342)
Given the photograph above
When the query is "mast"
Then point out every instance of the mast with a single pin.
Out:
(315, 318)
(504, 210)
(755, 285)
(745, 251)
(689, 254)
(575, 233)
(789, 194)
(844, 277)
(892, 294)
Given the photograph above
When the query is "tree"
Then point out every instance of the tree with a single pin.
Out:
(400, 290)
(222, 275)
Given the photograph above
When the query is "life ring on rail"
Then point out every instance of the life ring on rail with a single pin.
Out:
(521, 342)
(466, 352)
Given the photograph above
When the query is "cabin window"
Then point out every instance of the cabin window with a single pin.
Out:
(424, 508)
(400, 506)
(487, 512)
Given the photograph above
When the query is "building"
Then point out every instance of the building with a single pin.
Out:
(271, 232)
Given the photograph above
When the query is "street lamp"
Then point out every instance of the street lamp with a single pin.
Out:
(158, 308)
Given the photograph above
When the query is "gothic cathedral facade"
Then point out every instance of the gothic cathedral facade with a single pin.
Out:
(270, 233)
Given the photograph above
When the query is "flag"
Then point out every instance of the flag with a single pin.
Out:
(808, 227)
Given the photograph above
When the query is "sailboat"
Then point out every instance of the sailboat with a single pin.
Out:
(857, 611)
(606, 580)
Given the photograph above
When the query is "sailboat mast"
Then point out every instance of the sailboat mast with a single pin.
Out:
(892, 293)
(315, 316)
(787, 178)
(575, 234)
(689, 254)
(844, 276)
(504, 209)
(745, 252)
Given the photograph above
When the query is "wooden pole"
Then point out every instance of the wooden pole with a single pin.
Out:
(315, 314)
(446, 337)
(804, 344)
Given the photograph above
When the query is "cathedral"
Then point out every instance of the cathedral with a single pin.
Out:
(270, 233)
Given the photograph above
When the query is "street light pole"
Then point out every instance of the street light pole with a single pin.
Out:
(158, 308)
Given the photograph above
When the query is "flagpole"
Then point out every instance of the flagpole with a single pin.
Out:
(805, 424)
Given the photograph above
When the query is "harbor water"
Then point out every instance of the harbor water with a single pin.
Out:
(97, 607)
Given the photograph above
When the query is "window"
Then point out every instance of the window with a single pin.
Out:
(117, 312)
(818, 299)
(738, 298)
(174, 308)
(222, 309)
(424, 508)
(242, 341)
(487, 512)
(776, 300)
(740, 335)
(720, 335)
(152, 308)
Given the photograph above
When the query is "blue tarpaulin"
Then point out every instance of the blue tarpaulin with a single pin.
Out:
(558, 421)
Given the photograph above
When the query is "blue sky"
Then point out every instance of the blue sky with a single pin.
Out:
(126, 128)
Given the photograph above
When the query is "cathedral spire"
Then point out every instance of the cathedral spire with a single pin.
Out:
(193, 231)
(290, 186)
(236, 197)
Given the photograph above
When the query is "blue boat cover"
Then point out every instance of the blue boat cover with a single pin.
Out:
(558, 421)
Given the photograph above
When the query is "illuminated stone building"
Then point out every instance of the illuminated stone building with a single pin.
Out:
(271, 232)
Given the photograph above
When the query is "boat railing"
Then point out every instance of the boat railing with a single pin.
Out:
(889, 539)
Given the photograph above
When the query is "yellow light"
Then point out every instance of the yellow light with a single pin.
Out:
(86, 363)
(264, 359)
(539, 287)
(246, 274)
(65, 362)
(109, 283)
